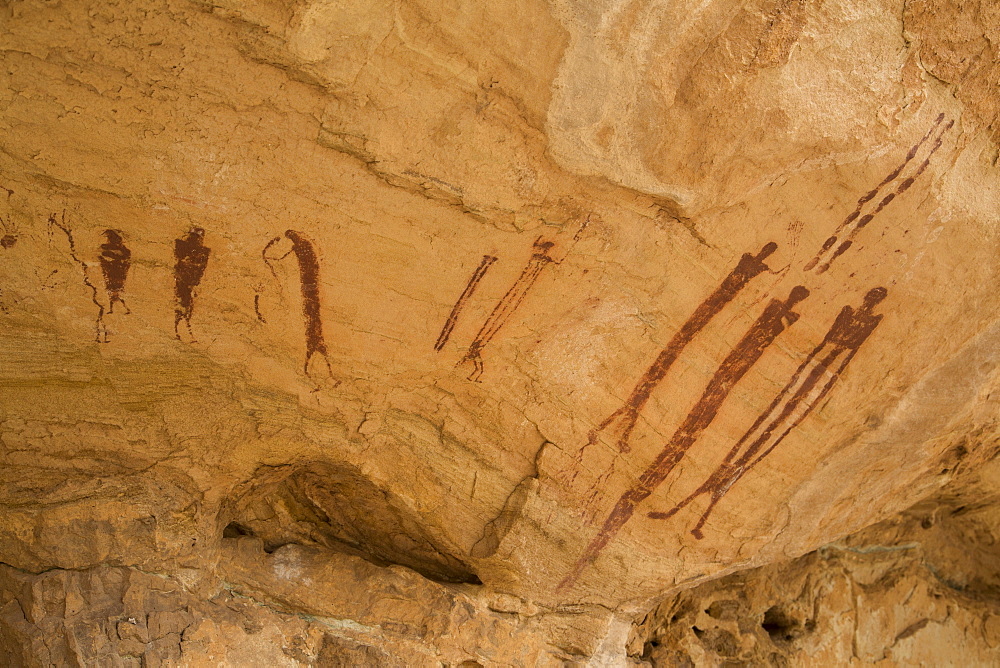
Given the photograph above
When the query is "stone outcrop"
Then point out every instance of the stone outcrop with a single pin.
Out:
(919, 589)
(359, 332)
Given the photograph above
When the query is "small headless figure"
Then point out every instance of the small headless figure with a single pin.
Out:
(192, 260)
(116, 259)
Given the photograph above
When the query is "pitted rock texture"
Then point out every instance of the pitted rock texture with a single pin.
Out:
(870, 605)
(920, 589)
(570, 305)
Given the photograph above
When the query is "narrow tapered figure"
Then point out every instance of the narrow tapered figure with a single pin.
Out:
(777, 316)
(541, 257)
(855, 222)
(192, 259)
(626, 417)
(470, 288)
(116, 259)
(308, 261)
(809, 385)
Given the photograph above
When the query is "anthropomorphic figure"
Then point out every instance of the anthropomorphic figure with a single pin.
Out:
(776, 317)
(849, 229)
(809, 385)
(541, 257)
(308, 261)
(59, 223)
(9, 238)
(470, 288)
(626, 417)
(116, 259)
(192, 255)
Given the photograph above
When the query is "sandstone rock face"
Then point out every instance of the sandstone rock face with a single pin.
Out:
(920, 589)
(447, 332)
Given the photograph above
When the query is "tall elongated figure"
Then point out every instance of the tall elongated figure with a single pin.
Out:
(773, 321)
(541, 257)
(305, 254)
(625, 418)
(809, 385)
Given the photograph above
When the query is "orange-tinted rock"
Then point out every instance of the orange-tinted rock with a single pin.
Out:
(523, 316)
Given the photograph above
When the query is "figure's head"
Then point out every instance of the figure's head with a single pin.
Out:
(113, 236)
(874, 296)
(798, 293)
(543, 245)
(196, 234)
(768, 248)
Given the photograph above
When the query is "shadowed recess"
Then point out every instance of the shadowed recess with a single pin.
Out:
(334, 506)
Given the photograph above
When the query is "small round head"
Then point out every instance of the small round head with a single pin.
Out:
(768, 248)
(113, 236)
(798, 293)
(8, 241)
(196, 233)
(874, 296)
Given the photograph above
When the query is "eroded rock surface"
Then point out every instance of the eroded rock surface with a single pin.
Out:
(542, 312)
(919, 589)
